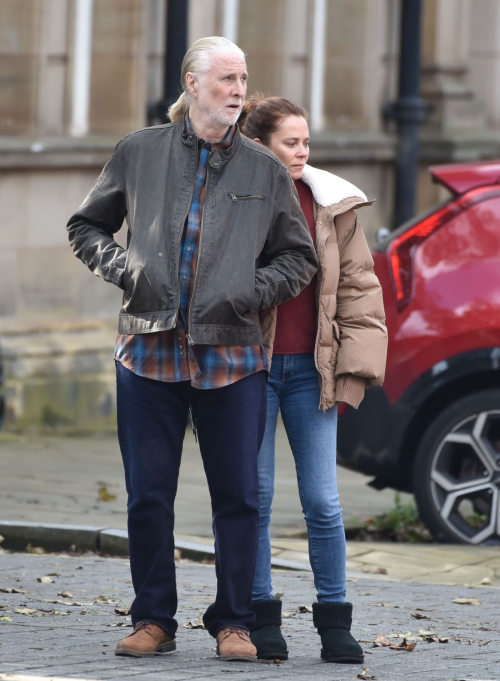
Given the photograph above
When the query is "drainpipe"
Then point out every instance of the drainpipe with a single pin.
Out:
(230, 20)
(318, 58)
(175, 49)
(408, 111)
(79, 125)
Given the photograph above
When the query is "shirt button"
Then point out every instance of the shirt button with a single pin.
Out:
(180, 347)
(184, 276)
(216, 163)
(182, 354)
(189, 248)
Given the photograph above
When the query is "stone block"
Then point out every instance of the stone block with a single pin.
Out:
(51, 537)
(114, 542)
(47, 284)
(8, 289)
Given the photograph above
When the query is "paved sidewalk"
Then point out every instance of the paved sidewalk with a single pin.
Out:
(57, 480)
(407, 562)
(50, 643)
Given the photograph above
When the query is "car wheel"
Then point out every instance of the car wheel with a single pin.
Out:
(456, 472)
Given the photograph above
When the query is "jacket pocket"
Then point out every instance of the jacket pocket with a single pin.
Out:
(335, 343)
(242, 197)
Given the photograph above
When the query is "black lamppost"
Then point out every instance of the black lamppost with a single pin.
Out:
(408, 111)
(175, 49)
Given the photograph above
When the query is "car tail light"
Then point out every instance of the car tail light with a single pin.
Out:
(401, 251)
(342, 408)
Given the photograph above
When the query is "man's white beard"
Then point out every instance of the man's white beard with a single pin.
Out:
(218, 116)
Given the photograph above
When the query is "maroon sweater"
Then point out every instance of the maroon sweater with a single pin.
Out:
(297, 318)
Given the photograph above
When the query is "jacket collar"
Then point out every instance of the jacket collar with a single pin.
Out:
(330, 190)
(218, 157)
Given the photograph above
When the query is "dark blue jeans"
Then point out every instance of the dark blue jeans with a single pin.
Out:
(152, 419)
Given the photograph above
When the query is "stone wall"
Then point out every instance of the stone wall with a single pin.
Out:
(57, 320)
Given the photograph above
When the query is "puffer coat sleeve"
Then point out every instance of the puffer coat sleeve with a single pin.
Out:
(360, 315)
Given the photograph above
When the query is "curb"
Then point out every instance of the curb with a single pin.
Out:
(51, 537)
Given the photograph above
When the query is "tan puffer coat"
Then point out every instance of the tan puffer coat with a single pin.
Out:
(351, 342)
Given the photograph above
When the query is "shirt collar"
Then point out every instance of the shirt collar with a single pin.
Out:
(223, 144)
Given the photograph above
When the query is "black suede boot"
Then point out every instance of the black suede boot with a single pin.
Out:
(333, 621)
(266, 635)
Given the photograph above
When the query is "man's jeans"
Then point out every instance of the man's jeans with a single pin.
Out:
(312, 434)
(152, 419)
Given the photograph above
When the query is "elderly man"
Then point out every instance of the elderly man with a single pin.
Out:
(215, 234)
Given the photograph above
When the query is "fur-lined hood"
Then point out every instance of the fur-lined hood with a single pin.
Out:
(330, 190)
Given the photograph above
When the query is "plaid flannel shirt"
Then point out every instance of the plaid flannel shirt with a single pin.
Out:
(166, 355)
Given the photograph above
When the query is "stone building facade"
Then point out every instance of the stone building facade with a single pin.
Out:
(76, 75)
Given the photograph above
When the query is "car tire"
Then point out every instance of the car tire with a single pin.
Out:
(456, 471)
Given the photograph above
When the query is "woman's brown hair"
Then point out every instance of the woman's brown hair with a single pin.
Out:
(261, 116)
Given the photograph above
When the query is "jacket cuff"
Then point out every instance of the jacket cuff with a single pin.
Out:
(350, 389)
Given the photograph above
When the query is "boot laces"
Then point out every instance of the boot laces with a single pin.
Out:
(242, 633)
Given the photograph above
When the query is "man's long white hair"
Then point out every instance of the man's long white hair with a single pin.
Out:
(198, 60)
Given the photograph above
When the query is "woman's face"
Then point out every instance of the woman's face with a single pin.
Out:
(290, 143)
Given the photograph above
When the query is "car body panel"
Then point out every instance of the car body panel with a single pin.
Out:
(459, 178)
(444, 342)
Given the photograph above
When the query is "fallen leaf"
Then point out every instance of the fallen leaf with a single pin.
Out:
(45, 580)
(364, 675)
(374, 570)
(278, 597)
(65, 594)
(177, 555)
(381, 641)
(119, 624)
(4, 618)
(404, 645)
(53, 574)
(3, 607)
(103, 599)
(286, 615)
(28, 611)
(486, 581)
(437, 639)
(198, 624)
(385, 605)
(122, 611)
(104, 495)
(305, 608)
(1, 539)
(418, 616)
(466, 601)
(11, 590)
(36, 550)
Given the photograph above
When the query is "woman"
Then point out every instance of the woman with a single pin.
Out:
(326, 346)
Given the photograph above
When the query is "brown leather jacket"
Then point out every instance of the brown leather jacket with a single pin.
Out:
(255, 248)
(351, 341)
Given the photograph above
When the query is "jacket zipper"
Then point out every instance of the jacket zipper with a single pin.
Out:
(238, 197)
(188, 335)
(320, 247)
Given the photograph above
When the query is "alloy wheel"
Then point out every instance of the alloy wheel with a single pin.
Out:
(465, 478)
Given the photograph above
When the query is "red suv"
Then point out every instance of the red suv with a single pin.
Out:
(434, 428)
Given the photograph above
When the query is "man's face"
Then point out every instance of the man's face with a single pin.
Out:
(222, 90)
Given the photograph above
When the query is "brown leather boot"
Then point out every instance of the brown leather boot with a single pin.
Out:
(235, 645)
(145, 641)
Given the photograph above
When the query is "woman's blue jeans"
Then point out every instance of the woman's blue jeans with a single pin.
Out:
(293, 387)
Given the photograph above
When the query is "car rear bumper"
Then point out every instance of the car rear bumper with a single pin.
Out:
(370, 439)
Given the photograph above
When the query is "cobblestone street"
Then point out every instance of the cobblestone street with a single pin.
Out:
(74, 635)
